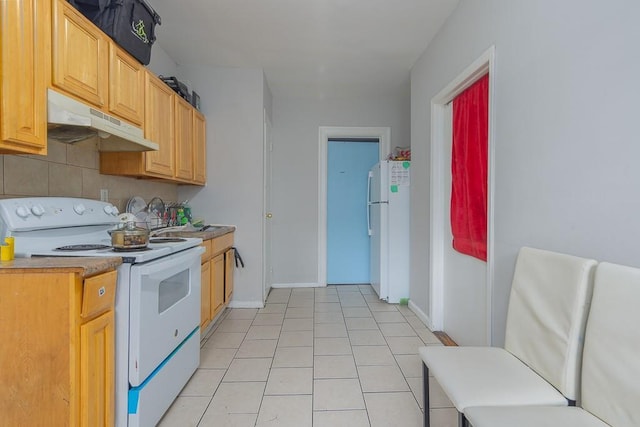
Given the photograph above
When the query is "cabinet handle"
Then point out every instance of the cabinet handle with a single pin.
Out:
(102, 291)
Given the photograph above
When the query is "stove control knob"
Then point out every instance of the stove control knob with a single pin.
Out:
(37, 210)
(79, 208)
(108, 209)
(22, 211)
(114, 211)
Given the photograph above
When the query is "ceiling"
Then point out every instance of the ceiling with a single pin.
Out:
(317, 48)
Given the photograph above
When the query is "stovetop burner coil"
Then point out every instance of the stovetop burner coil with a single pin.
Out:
(85, 247)
(167, 240)
(131, 249)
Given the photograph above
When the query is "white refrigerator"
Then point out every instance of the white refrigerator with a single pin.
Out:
(388, 206)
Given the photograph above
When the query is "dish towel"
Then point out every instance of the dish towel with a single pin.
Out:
(469, 170)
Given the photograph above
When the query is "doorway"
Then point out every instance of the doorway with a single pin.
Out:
(382, 134)
(460, 287)
(348, 163)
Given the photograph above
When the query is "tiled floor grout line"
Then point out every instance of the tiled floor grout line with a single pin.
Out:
(354, 357)
(355, 302)
(203, 343)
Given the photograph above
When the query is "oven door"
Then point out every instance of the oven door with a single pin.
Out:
(164, 309)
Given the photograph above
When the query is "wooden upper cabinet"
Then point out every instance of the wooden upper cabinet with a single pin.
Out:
(159, 126)
(199, 148)
(24, 70)
(126, 86)
(80, 55)
(178, 129)
(184, 139)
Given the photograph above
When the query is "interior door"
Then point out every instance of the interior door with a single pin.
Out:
(267, 273)
(348, 165)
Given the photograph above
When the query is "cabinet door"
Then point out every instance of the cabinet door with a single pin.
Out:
(184, 139)
(205, 294)
(199, 148)
(126, 86)
(97, 404)
(159, 125)
(217, 284)
(80, 55)
(229, 264)
(24, 67)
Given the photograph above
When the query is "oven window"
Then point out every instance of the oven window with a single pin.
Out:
(172, 290)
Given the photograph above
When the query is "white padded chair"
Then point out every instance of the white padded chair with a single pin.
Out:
(610, 364)
(540, 363)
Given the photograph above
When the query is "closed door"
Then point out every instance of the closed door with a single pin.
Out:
(348, 164)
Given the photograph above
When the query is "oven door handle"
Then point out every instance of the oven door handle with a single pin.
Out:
(180, 259)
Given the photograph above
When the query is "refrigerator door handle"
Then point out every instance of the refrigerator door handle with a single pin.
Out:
(369, 177)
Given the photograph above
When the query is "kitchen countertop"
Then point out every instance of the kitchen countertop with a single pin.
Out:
(86, 266)
(211, 233)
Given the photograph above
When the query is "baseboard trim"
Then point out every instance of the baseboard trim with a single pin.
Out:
(445, 339)
(421, 315)
(296, 285)
(245, 304)
(442, 336)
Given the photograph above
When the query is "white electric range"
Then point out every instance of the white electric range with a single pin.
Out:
(157, 296)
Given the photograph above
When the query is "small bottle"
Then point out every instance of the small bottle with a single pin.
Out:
(10, 242)
(181, 218)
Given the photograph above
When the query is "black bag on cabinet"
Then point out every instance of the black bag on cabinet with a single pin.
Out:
(130, 23)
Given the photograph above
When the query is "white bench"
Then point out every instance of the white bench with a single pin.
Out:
(610, 365)
(540, 363)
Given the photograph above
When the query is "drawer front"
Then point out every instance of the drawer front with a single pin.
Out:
(98, 294)
(206, 256)
(221, 243)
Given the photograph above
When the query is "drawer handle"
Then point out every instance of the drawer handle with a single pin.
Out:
(102, 291)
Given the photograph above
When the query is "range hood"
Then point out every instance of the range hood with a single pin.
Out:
(72, 121)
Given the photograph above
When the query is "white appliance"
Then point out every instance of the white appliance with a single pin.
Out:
(388, 205)
(157, 315)
(72, 121)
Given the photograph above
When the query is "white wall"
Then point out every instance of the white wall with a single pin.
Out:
(161, 63)
(566, 150)
(294, 200)
(232, 101)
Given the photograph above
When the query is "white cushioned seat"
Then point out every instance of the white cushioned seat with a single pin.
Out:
(540, 364)
(480, 376)
(610, 367)
(531, 416)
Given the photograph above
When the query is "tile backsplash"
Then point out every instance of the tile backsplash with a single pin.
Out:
(71, 170)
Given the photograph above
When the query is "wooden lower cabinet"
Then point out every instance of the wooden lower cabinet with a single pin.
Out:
(217, 285)
(217, 278)
(205, 295)
(57, 355)
(229, 264)
(97, 371)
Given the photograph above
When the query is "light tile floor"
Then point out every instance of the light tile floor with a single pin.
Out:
(334, 356)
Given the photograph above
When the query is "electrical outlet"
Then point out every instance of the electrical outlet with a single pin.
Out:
(104, 195)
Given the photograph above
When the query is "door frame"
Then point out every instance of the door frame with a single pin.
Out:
(481, 66)
(383, 134)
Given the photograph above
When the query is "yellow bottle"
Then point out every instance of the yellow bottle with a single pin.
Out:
(10, 242)
(5, 253)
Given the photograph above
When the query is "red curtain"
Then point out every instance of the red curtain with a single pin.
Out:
(469, 170)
